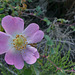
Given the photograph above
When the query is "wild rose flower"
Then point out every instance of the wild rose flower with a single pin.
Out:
(16, 41)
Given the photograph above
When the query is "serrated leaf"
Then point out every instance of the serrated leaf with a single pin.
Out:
(48, 30)
(48, 22)
(47, 37)
(45, 19)
(38, 8)
(50, 43)
(52, 51)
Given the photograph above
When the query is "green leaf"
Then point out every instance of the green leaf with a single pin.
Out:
(74, 68)
(38, 8)
(1, 10)
(73, 29)
(62, 20)
(2, 15)
(48, 30)
(50, 43)
(47, 37)
(52, 51)
(46, 20)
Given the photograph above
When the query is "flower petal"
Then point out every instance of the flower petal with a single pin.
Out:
(12, 25)
(14, 58)
(28, 56)
(37, 37)
(31, 29)
(9, 57)
(32, 49)
(4, 46)
(36, 54)
(18, 61)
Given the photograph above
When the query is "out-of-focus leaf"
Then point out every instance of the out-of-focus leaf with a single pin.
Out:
(47, 21)
(74, 68)
(50, 43)
(2, 15)
(52, 51)
(47, 37)
(38, 8)
(1, 10)
(62, 20)
(38, 11)
(48, 30)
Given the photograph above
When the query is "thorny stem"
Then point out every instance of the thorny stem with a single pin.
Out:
(58, 67)
(32, 14)
(53, 64)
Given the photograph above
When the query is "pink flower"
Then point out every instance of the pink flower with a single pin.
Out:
(16, 41)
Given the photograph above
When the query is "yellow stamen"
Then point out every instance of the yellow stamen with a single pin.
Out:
(20, 42)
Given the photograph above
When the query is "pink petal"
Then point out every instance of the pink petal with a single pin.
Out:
(14, 58)
(12, 25)
(28, 57)
(36, 54)
(18, 61)
(37, 37)
(4, 46)
(33, 50)
(31, 29)
(9, 57)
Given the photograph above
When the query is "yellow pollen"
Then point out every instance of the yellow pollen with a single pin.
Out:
(20, 42)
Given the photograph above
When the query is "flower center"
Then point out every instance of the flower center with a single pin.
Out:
(20, 42)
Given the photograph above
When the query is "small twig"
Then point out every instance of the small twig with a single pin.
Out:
(32, 14)
(54, 64)
(70, 70)
(57, 68)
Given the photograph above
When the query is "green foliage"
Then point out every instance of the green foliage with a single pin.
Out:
(73, 27)
(47, 21)
(38, 11)
(49, 42)
(62, 20)
(62, 62)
